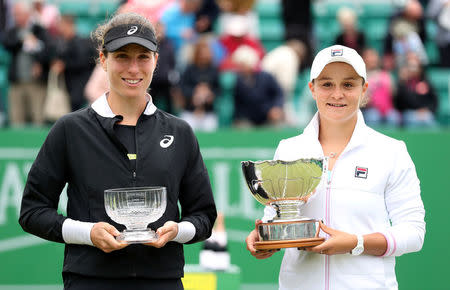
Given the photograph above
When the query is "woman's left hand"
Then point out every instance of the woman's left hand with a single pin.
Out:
(338, 243)
(166, 233)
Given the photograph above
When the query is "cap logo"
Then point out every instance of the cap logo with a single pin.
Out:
(337, 52)
(132, 30)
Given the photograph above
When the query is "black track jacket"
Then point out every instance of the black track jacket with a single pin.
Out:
(82, 150)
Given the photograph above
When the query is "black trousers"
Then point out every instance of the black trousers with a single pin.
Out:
(79, 282)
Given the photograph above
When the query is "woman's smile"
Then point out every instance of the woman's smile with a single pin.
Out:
(132, 82)
(336, 105)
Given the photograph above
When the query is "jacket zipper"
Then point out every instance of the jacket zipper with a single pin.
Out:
(327, 219)
(136, 160)
(330, 174)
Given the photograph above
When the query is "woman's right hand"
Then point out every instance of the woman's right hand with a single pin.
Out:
(103, 237)
(251, 239)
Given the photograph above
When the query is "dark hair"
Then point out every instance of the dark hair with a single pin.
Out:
(98, 35)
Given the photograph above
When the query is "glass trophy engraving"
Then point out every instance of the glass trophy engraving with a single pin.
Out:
(136, 208)
(285, 186)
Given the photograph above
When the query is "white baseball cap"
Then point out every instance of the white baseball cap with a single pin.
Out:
(338, 53)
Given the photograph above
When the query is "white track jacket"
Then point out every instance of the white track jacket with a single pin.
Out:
(373, 187)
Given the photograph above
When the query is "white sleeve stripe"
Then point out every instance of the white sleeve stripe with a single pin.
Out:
(186, 231)
(77, 232)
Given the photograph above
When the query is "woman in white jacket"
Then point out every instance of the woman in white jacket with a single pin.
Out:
(369, 200)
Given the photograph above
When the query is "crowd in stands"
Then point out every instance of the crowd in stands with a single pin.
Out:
(200, 41)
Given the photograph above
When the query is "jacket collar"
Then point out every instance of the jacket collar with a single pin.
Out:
(358, 136)
(101, 106)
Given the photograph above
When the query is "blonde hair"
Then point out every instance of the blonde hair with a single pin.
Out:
(245, 55)
(364, 100)
(346, 16)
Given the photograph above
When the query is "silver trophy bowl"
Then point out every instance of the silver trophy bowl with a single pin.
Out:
(285, 186)
(135, 208)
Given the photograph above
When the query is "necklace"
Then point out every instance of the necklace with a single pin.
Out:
(333, 154)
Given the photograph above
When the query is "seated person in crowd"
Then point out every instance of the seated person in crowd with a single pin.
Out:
(200, 87)
(415, 98)
(284, 63)
(405, 41)
(74, 57)
(258, 98)
(380, 108)
(28, 43)
(350, 36)
(235, 35)
(166, 77)
(179, 22)
(411, 13)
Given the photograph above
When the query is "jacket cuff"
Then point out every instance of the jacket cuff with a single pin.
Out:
(76, 232)
(391, 244)
(186, 231)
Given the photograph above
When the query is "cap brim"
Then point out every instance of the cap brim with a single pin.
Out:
(338, 59)
(120, 42)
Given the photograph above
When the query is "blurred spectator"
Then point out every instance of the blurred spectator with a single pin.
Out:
(283, 63)
(152, 10)
(258, 99)
(412, 14)
(28, 44)
(242, 8)
(350, 36)
(179, 21)
(47, 15)
(439, 11)
(297, 19)
(236, 6)
(214, 255)
(415, 98)
(206, 16)
(74, 56)
(200, 87)
(405, 41)
(6, 22)
(236, 34)
(380, 109)
(97, 84)
(165, 76)
(6, 19)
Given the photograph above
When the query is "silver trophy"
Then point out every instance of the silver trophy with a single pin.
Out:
(135, 208)
(285, 186)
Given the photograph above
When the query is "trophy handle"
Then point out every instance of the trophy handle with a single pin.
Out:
(317, 229)
(277, 209)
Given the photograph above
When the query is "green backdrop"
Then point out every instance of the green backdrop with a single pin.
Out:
(26, 260)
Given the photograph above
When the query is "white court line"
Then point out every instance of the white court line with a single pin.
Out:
(18, 153)
(237, 153)
(31, 287)
(20, 242)
(207, 152)
(29, 240)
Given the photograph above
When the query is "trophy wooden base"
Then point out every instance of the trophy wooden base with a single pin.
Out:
(301, 243)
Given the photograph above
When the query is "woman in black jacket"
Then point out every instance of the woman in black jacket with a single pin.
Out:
(121, 140)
